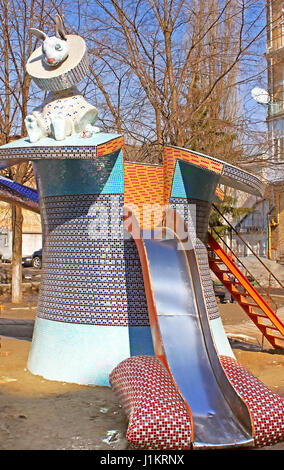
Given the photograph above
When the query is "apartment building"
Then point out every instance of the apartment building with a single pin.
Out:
(32, 232)
(275, 67)
(275, 124)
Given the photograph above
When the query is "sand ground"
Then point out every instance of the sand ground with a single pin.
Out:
(38, 414)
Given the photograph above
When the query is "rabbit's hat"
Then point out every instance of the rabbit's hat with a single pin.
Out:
(67, 74)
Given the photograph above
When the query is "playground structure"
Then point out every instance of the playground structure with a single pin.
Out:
(126, 295)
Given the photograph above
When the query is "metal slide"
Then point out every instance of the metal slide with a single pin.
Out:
(182, 339)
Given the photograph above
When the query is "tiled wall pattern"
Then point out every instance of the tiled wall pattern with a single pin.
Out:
(206, 280)
(110, 146)
(143, 185)
(185, 207)
(171, 156)
(91, 274)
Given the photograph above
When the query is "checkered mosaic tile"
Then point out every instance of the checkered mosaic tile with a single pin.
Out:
(83, 151)
(143, 190)
(158, 418)
(157, 415)
(109, 147)
(235, 173)
(173, 154)
(266, 407)
(181, 205)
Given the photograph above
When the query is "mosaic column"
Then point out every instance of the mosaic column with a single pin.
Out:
(92, 310)
(191, 180)
(192, 191)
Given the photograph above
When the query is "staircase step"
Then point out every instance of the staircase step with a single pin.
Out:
(250, 305)
(258, 315)
(244, 294)
(260, 322)
(279, 343)
(268, 327)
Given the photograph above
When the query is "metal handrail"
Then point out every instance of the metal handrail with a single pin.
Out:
(274, 247)
(247, 245)
(266, 292)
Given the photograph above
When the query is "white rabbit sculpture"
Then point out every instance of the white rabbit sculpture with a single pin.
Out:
(63, 61)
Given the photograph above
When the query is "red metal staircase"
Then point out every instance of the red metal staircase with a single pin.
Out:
(247, 296)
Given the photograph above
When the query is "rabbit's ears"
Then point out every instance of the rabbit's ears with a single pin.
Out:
(59, 30)
(39, 34)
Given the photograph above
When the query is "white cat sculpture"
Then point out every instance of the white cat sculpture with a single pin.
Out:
(58, 66)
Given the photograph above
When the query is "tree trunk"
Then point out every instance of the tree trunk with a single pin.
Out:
(17, 222)
(159, 135)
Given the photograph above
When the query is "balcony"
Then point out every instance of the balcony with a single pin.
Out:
(275, 108)
(275, 50)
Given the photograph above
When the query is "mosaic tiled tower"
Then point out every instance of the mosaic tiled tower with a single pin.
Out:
(187, 182)
(92, 313)
(92, 308)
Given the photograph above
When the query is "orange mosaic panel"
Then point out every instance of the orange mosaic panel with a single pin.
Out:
(173, 154)
(143, 188)
(110, 147)
(220, 193)
(147, 188)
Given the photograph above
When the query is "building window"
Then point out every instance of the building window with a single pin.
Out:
(278, 148)
(3, 240)
(281, 29)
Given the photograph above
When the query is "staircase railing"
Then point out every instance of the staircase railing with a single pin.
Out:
(249, 298)
(265, 292)
(271, 275)
(277, 250)
(248, 246)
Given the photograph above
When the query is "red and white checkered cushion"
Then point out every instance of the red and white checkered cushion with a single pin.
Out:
(158, 418)
(265, 406)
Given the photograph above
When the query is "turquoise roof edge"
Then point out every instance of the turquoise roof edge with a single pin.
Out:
(73, 140)
(191, 181)
(178, 189)
(115, 182)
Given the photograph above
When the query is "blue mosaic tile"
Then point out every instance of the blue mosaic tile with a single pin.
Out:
(182, 206)
(85, 279)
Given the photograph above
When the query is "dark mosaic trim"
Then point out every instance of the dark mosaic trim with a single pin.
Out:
(202, 213)
(207, 283)
(237, 174)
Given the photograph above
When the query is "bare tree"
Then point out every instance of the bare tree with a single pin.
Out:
(16, 93)
(162, 72)
(167, 71)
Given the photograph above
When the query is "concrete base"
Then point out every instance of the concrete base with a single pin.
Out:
(83, 354)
